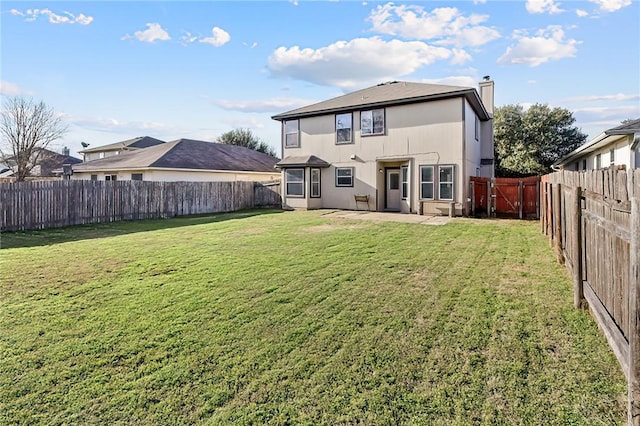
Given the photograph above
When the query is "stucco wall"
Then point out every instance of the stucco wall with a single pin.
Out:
(623, 156)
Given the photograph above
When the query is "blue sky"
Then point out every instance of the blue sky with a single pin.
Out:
(117, 70)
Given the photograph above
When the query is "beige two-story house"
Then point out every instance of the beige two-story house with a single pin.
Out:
(401, 146)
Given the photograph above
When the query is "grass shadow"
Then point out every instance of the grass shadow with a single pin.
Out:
(45, 237)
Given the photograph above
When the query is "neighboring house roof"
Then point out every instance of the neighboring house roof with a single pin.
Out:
(186, 154)
(139, 142)
(388, 94)
(302, 161)
(50, 162)
(603, 139)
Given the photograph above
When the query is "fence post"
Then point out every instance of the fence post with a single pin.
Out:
(633, 417)
(538, 199)
(520, 198)
(489, 198)
(472, 188)
(576, 240)
(557, 213)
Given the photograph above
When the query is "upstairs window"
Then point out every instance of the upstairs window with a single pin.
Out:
(291, 134)
(344, 128)
(477, 131)
(372, 122)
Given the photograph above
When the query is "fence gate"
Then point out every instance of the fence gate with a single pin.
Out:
(505, 197)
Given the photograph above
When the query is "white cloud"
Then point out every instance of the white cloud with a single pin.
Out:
(531, 81)
(250, 122)
(543, 6)
(31, 15)
(112, 125)
(459, 80)
(582, 13)
(460, 56)
(187, 38)
(354, 63)
(264, 105)
(611, 5)
(153, 32)
(10, 89)
(445, 25)
(219, 37)
(549, 44)
(479, 1)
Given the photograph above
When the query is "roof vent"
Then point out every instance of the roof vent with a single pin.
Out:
(486, 78)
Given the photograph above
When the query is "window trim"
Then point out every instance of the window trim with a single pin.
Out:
(297, 133)
(612, 156)
(598, 161)
(351, 140)
(452, 182)
(311, 182)
(287, 181)
(352, 170)
(137, 174)
(384, 122)
(432, 181)
(404, 182)
(93, 177)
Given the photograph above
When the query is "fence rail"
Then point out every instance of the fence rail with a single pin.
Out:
(593, 221)
(46, 204)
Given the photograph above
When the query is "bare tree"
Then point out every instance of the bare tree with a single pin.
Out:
(27, 128)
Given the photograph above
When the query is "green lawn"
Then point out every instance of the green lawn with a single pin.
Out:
(295, 318)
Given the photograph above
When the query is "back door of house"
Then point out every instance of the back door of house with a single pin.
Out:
(393, 189)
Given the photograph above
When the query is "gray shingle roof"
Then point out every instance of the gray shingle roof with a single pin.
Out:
(139, 142)
(387, 94)
(625, 129)
(302, 161)
(186, 154)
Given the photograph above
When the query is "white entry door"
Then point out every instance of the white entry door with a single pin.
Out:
(393, 189)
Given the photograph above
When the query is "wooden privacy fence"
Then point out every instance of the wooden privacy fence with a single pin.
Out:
(593, 221)
(41, 205)
(505, 197)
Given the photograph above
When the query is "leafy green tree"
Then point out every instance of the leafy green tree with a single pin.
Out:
(528, 142)
(246, 138)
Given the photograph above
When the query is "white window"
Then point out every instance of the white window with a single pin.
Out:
(291, 134)
(372, 122)
(101, 155)
(426, 182)
(94, 177)
(344, 176)
(294, 179)
(612, 157)
(111, 177)
(136, 176)
(344, 128)
(598, 161)
(405, 182)
(445, 178)
(477, 132)
(315, 183)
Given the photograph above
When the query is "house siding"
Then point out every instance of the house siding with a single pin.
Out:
(440, 132)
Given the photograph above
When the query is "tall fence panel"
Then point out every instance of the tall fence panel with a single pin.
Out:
(52, 204)
(505, 197)
(591, 221)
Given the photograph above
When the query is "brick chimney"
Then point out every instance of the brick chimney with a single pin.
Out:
(486, 93)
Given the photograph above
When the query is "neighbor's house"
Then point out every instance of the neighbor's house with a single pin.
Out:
(48, 164)
(407, 147)
(118, 148)
(619, 146)
(183, 160)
